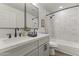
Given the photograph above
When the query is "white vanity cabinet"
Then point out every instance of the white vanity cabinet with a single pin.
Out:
(21, 50)
(44, 46)
(37, 46)
(33, 53)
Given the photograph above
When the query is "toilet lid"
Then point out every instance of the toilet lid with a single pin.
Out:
(53, 44)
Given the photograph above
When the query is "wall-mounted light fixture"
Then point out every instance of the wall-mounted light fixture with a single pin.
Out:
(35, 4)
(61, 7)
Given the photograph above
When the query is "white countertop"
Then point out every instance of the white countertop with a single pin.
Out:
(7, 43)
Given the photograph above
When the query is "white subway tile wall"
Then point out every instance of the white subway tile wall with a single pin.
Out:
(67, 24)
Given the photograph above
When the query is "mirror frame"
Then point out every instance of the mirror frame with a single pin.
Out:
(25, 16)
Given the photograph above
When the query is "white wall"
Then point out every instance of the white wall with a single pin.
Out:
(49, 27)
(42, 15)
(66, 25)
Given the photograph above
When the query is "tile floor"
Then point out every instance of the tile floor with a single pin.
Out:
(58, 53)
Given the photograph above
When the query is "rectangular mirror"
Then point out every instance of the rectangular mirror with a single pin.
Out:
(11, 15)
(32, 19)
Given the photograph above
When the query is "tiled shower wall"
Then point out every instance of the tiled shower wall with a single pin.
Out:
(66, 25)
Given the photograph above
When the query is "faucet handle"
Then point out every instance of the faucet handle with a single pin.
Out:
(20, 34)
(17, 29)
(9, 35)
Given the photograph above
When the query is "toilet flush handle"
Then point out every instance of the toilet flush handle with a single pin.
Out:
(45, 47)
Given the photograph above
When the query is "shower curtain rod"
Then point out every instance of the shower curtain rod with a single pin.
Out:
(62, 10)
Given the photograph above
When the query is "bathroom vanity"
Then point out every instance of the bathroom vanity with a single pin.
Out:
(25, 46)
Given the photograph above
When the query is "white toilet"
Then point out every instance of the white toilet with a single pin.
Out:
(53, 46)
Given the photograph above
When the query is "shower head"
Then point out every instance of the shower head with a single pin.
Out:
(51, 16)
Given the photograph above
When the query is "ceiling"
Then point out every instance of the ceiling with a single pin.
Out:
(52, 7)
(32, 9)
(20, 6)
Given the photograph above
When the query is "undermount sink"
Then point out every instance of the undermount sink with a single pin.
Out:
(15, 39)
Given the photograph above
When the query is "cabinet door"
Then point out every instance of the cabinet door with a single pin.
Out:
(43, 40)
(44, 50)
(33, 53)
(22, 50)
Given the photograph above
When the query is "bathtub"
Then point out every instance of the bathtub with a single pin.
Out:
(67, 47)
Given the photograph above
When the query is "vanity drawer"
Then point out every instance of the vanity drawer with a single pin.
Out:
(43, 40)
(21, 50)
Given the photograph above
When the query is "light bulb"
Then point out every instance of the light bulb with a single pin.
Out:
(61, 7)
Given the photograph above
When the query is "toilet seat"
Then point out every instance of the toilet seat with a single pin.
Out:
(53, 44)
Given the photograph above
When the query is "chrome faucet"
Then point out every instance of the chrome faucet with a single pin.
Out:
(9, 35)
(16, 31)
(33, 33)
